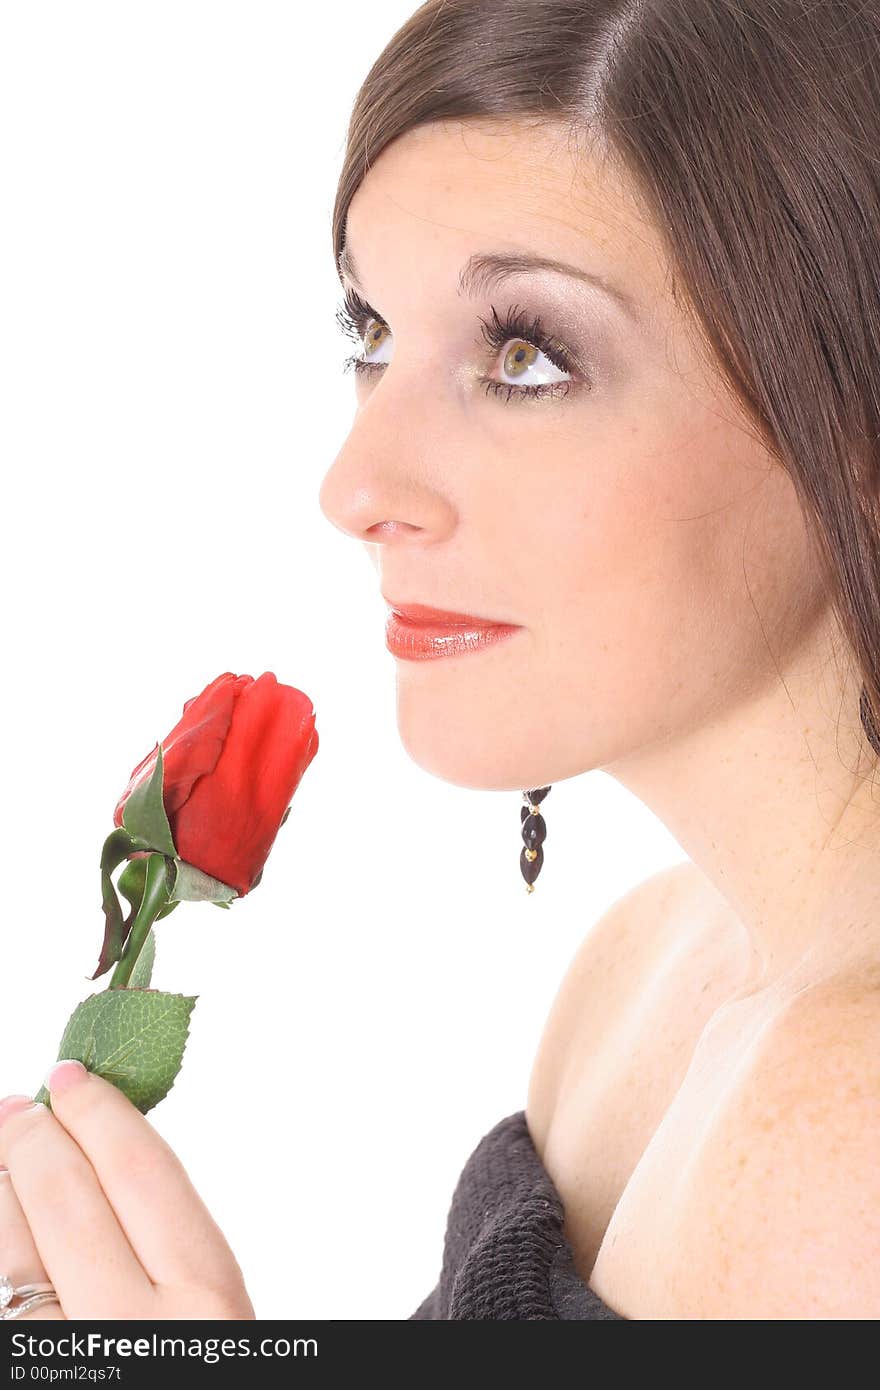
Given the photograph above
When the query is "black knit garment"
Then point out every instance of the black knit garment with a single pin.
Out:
(505, 1254)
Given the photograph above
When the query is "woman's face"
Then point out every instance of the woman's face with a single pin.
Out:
(651, 551)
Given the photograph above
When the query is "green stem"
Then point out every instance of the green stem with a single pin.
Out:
(155, 898)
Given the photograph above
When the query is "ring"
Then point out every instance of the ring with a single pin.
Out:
(31, 1296)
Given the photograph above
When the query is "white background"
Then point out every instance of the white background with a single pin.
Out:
(172, 396)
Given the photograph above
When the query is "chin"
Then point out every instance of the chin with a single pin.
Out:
(468, 757)
(482, 722)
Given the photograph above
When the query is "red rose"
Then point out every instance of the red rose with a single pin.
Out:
(230, 768)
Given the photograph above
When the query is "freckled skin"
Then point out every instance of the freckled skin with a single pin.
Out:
(676, 635)
(612, 525)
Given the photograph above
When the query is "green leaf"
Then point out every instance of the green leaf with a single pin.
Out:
(143, 966)
(134, 1038)
(144, 812)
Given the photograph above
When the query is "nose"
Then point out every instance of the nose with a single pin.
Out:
(384, 486)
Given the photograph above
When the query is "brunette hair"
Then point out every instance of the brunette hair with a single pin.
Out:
(750, 130)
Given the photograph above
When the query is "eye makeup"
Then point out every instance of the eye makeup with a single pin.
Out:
(359, 321)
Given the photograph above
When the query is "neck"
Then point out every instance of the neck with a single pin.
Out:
(773, 798)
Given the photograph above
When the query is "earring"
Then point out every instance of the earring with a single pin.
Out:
(534, 833)
(866, 714)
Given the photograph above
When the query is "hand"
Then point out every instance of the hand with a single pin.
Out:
(96, 1203)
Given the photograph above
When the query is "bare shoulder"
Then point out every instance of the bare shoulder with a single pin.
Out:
(788, 1179)
(609, 965)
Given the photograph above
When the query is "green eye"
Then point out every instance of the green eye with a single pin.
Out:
(527, 339)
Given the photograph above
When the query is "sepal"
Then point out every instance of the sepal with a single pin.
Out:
(144, 815)
(118, 844)
(189, 884)
(131, 884)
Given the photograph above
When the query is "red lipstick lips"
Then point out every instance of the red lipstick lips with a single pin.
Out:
(419, 633)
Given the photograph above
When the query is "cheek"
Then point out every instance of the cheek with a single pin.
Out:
(636, 558)
(671, 567)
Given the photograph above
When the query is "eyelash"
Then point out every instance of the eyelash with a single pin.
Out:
(354, 316)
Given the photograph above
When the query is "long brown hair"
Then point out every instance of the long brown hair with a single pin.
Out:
(750, 129)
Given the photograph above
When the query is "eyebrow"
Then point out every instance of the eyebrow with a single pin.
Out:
(485, 270)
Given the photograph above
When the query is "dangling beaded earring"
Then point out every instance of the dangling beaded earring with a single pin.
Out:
(866, 714)
(534, 833)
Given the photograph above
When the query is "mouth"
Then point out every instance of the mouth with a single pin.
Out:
(421, 615)
(417, 632)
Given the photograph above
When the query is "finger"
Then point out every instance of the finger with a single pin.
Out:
(168, 1225)
(84, 1250)
(19, 1258)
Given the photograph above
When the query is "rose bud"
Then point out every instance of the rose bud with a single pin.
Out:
(230, 768)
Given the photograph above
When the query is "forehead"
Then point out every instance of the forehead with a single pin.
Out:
(452, 187)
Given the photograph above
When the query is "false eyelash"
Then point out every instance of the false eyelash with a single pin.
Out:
(354, 316)
(516, 325)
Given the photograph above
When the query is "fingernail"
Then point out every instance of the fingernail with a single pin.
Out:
(10, 1104)
(63, 1075)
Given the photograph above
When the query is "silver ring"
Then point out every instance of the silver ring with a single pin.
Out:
(31, 1296)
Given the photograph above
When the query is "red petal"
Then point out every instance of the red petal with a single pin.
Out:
(229, 823)
(193, 746)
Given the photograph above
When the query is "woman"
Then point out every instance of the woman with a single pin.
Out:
(613, 273)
